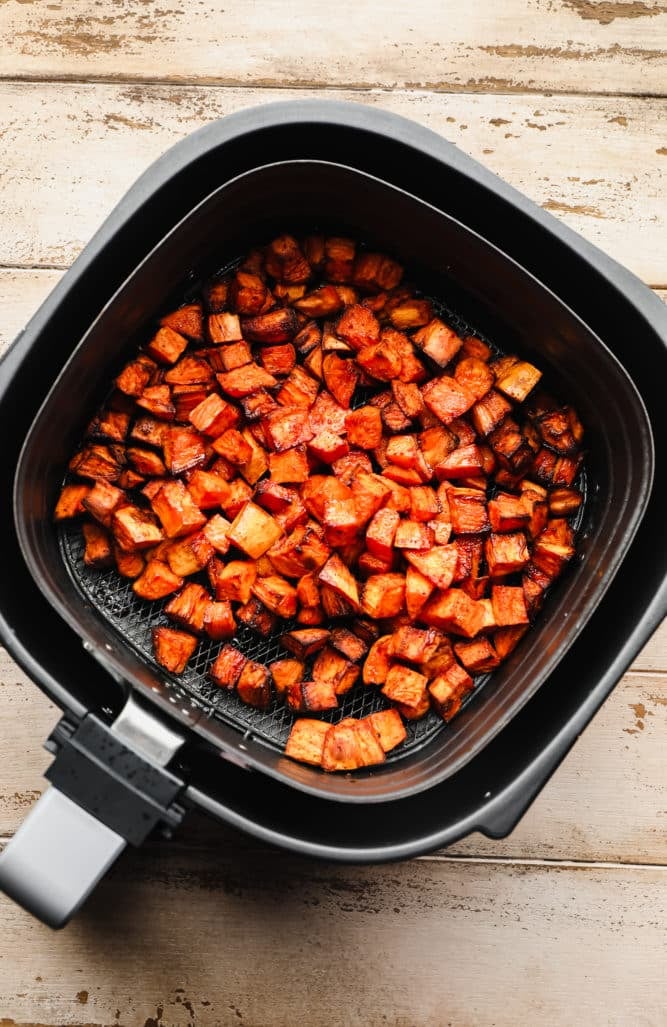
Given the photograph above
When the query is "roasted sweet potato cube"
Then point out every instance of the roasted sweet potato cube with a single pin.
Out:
(148, 430)
(368, 564)
(285, 261)
(230, 356)
(339, 257)
(112, 425)
(172, 649)
(462, 462)
(254, 530)
(256, 616)
(276, 594)
(273, 328)
(273, 497)
(278, 360)
(184, 449)
(128, 565)
(98, 551)
(415, 645)
(489, 412)
(553, 547)
(566, 470)
(99, 463)
(438, 565)
(518, 380)
(305, 642)
(341, 521)
(507, 512)
(418, 588)
(475, 375)
(290, 466)
(188, 607)
(244, 381)
(424, 504)
(379, 660)
(135, 376)
(510, 447)
(340, 579)
(453, 611)
(334, 667)
(303, 550)
(382, 360)
(448, 690)
(258, 405)
(298, 390)
(254, 685)
(216, 533)
(381, 533)
(247, 293)
(383, 595)
(176, 510)
(375, 271)
(467, 511)
(287, 427)
(408, 397)
(411, 314)
(436, 444)
(327, 447)
(208, 489)
(405, 686)
(340, 377)
(157, 581)
(188, 320)
(219, 621)
(135, 529)
(320, 302)
(157, 400)
(388, 727)
(233, 580)
(446, 398)
(370, 491)
(505, 640)
(364, 427)
(320, 488)
(166, 346)
(286, 672)
(405, 476)
(311, 696)
(306, 740)
(226, 668)
(358, 326)
(308, 591)
(564, 502)
(509, 606)
(313, 362)
(225, 328)
(326, 414)
(413, 535)
(349, 644)
(190, 554)
(233, 446)
(100, 501)
(477, 656)
(438, 341)
(239, 494)
(190, 370)
(506, 554)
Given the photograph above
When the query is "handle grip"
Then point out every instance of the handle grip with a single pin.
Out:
(56, 858)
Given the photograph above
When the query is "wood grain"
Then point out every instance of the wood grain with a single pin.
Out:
(69, 152)
(279, 941)
(573, 45)
(605, 802)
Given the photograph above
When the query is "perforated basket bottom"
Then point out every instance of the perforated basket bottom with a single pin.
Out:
(134, 619)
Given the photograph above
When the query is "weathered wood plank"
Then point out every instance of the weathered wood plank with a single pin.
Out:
(606, 801)
(572, 45)
(280, 941)
(69, 152)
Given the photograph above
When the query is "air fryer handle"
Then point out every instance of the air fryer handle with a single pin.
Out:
(56, 858)
(504, 811)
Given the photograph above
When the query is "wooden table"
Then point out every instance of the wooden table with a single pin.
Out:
(561, 923)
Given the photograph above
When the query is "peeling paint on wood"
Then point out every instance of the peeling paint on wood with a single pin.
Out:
(314, 43)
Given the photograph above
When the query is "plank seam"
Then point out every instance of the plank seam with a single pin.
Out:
(315, 85)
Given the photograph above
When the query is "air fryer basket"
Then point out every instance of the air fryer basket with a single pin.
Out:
(110, 740)
(495, 297)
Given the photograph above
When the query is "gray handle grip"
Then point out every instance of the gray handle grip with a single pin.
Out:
(56, 858)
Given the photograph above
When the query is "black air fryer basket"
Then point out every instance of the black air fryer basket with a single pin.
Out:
(135, 747)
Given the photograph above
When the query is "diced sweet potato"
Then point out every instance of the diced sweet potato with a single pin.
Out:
(381, 533)
(364, 427)
(233, 447)
(135, 529)
(298, 390)
(383, 595)
(358, 326)
(226, 668)
(135, 376)
(158, 401)
(287, 427)
(306, 740)
(448, 690)
(256, 616)
(172, 649)
(276, 594)
(100, 501)
(286, 672)
(303, 550)
(405, 686)
(462, 462)
(290, 466)
(157, 581)
(553, 547)
(340, 377)
(453, 611)
(518, 380)
(446, 398)
(506, 554)
(489, 412)
(247, 292)
(408, 397)
(388, 727)
(438, 565)
(418, 588)
(98, 463)
(334, 667)
(339, 578)
(477, 656)
(509, 606)
(244, 381)
(254, 530)
(321, 302)
(412, 314)
(507, 513)
(375, 271)
(382, 360)
(166, 346)
(564, 502)
(327, 447)
(254, 685)
(225, 328)
(188, 607)
(415, 645)
(475, 375)
(176, 510)
(278, 360)
(98, 551)
(311, 696)
(188, 320)
(467, 511)
(326, 414)
(439, 342)
(233, 580)
(349, 644)
(411, 535)
(305, 642)
(505, 640)
(111, 425)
